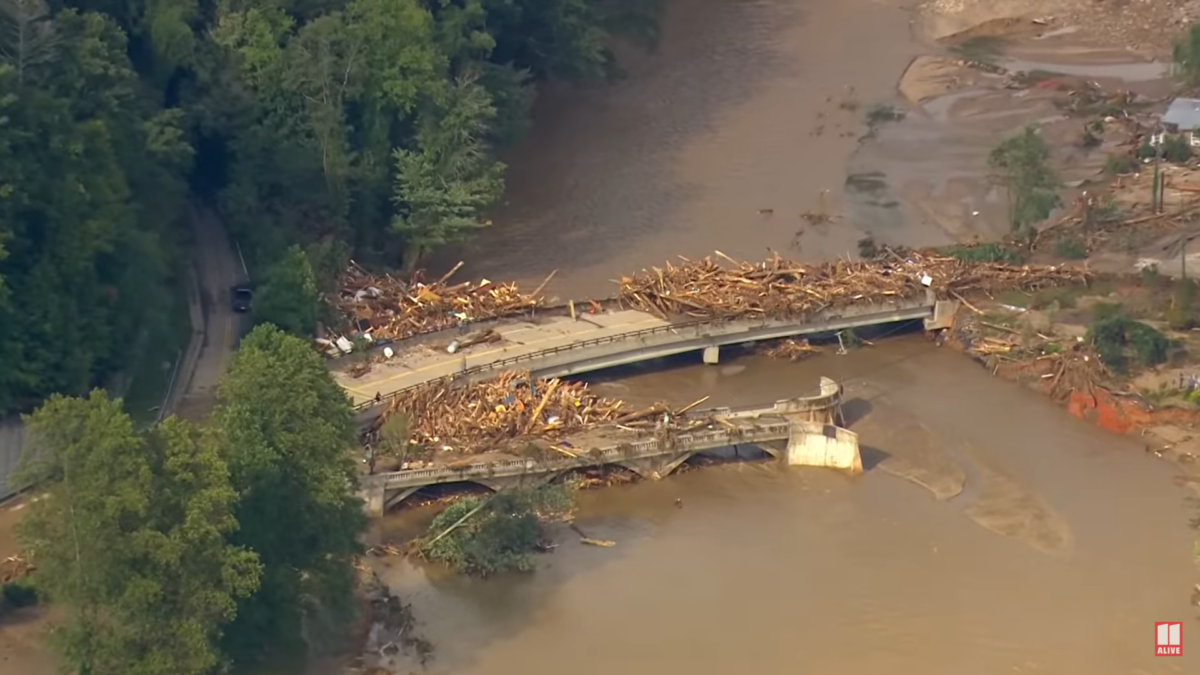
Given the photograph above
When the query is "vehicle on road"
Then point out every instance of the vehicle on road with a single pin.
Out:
(241, 296)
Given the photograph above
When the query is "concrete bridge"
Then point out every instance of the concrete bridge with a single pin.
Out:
(563, 347)
(805, 426)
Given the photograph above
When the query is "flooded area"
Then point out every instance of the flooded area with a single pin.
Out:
(990, 534)
(726, 139)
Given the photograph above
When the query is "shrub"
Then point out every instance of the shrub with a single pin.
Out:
(1176, 149)
(1119, 164)
(17, 594)
(1071, 248)
(1180, 315)
(1114, 335)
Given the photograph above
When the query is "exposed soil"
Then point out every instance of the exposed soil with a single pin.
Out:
(1145, 26)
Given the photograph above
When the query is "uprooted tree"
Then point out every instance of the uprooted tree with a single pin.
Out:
(486, 535)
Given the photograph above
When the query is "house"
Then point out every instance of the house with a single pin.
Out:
(1182, 117)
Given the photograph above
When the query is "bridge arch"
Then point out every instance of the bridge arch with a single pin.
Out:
(394, 498)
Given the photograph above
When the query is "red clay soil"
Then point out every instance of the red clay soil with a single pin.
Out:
(1084, 399)
(1123, 415)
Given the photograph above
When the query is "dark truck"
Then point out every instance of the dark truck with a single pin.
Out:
(241, 295)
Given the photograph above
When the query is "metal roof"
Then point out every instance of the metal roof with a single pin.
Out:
(1183, 113)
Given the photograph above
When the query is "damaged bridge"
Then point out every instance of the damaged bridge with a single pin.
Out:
(800, 431)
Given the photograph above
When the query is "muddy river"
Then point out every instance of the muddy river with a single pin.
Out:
(990, 534)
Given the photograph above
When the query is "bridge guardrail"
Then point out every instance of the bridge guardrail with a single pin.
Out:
(644, 448)
(513, 360)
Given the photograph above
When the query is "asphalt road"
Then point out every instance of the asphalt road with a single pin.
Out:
(218, 268)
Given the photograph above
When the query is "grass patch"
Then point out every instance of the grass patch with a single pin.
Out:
(150, 376)
(882, 114)
(1032, 77)
(1116, 165)
(1070, 247)
(991, 252)
(984, 48)
(871, 182)
(1062, 297)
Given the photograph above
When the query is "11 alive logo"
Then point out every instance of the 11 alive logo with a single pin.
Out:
(1168, 638)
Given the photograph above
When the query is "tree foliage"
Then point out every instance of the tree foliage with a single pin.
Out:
(500, 533)
(364, 127)
(289, 297)
(285, 428)
(131, 539)
(1186, 55)
(1021, 165)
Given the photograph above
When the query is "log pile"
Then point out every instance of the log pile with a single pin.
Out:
(14, 567)
(792, 349)
(392, 308)
(488, 415)
(782, 288)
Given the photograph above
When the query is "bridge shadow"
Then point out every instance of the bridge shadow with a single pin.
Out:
(855, 410)
(872, 456)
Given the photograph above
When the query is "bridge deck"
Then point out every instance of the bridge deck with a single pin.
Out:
(431, 361)
(560, 346)
(591, 448)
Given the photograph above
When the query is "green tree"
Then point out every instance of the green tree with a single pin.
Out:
(286, 429)
(444, 186)
(289, 297)
(483, 536)
(131, 539)
(89, 185)
(1186, 55)
(1021, 165)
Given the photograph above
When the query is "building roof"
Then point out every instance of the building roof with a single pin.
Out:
(1183, 113)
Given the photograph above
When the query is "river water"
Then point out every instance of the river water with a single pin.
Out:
(990, 534)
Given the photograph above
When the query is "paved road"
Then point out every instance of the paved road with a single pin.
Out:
(430, 361)
(219, 268)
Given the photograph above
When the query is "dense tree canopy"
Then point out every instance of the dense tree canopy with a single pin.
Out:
(342, 126)
(285, 428)
(131, 539)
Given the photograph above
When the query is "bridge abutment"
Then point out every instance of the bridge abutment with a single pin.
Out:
(823, 445)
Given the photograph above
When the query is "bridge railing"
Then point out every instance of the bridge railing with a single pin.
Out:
(695, 441)
(501, 364)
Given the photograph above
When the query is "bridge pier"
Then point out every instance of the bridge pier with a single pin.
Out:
(712, 355)
(824, 445)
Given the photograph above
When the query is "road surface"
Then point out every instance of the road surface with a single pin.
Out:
(430, 361)
(219, 268)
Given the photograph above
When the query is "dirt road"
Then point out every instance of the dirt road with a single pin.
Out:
(219, 268)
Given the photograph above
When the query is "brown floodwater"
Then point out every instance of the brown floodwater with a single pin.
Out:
(991, 533)
(681, 156)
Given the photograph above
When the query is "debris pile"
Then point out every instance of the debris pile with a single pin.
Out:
(792, 349)
(14, 567)
(479, 417)
(388, 308)
(781, 288)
